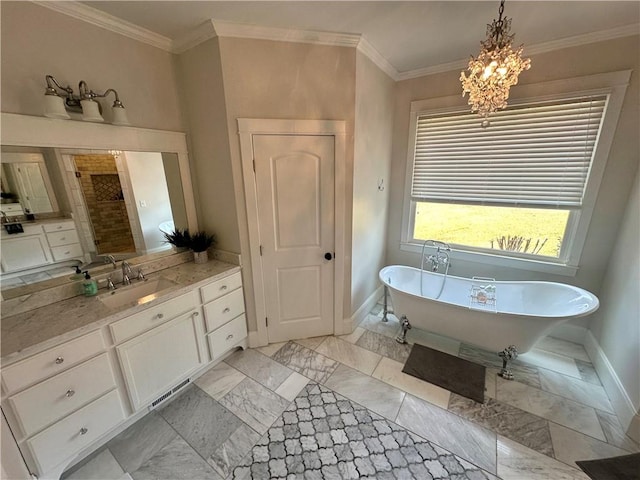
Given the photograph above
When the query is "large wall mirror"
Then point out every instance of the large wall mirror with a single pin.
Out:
(123, 187)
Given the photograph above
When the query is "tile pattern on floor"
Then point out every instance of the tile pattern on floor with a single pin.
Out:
(534, 427)
(324, 435)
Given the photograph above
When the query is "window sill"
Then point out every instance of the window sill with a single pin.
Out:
(501, 261)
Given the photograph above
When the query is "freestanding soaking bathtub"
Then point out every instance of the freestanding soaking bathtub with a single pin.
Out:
(493, 315)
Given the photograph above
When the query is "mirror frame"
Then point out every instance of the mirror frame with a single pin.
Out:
(30, 131)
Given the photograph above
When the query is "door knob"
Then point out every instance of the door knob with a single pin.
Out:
(328, 256)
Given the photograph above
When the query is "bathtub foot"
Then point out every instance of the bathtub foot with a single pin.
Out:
(385, 309)
(405, 326)
(508, 354)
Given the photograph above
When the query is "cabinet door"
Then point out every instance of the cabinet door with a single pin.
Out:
(156, 361)
(24, 252)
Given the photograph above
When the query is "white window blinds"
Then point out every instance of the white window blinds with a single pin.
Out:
(535, 154)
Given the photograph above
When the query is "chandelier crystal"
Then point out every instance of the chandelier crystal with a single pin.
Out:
(495, 70)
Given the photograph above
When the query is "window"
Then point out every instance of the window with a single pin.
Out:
(522, 189)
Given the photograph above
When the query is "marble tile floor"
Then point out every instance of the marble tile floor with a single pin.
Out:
(238, 418)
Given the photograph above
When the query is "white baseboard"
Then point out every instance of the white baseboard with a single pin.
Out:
(570, 333)
(620, 400)
(254, 340)
(363, 310)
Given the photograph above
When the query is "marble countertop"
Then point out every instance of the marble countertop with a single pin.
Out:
(33, 331)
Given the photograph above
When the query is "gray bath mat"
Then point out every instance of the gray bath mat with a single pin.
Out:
(626, 467)
(447, 371)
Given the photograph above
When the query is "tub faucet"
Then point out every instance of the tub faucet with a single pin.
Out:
(126, 273)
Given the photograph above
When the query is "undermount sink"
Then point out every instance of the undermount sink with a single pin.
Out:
(137, 293)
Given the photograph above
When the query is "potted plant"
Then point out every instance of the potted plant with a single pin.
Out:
(200, 243)
(179, 238)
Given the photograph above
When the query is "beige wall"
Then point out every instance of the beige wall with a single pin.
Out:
(619, 54)
(616, 326)
(37, 41)
(283, 80)
(371, 166)
(204, 104)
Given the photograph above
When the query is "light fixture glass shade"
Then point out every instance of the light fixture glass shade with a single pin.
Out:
(54, 107)
(90, 111)
(495, 70)
(120, 116)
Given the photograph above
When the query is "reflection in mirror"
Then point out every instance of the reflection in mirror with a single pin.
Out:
(120, 203)
(26, 186)
(129, 198)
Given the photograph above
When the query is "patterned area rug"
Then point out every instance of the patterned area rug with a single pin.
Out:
(322, 435)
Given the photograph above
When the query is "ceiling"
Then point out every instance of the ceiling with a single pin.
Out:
(409, 35)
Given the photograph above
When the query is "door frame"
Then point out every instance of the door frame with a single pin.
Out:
(247, 128)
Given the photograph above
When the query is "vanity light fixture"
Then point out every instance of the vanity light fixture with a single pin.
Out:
(496, 69)
(61, 100)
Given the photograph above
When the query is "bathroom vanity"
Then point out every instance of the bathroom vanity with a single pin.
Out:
(41, 243)
(76, 372)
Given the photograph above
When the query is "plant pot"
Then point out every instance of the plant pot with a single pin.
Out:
(179, 249)
(201, 257)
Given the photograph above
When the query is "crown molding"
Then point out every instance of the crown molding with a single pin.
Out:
(101, 19)
(591, 37)
(372, 54)
(203, 32)
(238, 30)
(574, 41)
(212, 28)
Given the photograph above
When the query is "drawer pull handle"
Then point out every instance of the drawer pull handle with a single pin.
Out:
(59, 360)
(195, 314)
(70, 393)
(160, 316)
(67, 252)
(226, 310)
(83, 431)
(230, 336)
(223, 287)
(63, 238)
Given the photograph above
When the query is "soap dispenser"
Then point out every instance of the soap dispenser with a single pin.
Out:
(77, 278)
(89, 285)
(77, 275)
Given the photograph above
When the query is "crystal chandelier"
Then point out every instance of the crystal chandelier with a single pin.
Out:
(495, 70)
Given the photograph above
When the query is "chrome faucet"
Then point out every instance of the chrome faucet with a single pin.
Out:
(110, 259)
(126, 273)
(441, 257)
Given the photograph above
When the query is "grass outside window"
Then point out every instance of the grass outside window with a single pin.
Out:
(540, 231)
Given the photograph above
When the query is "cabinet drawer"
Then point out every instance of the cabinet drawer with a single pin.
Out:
(221, 287)
(48, 401)
(65, 237)
(66, 252)
(66, 438)
(12, 209)
(220, 311)
(52, 361)
(227, 336)
(58, 226)
(152, 317)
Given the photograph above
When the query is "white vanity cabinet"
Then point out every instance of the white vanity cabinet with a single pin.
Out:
(40, 244)
(224, 314)
(63, 240)
(70, 399)
(24, 250)
(62, 400)
(154, 363)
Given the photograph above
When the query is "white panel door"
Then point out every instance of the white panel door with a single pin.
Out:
(295, 194)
